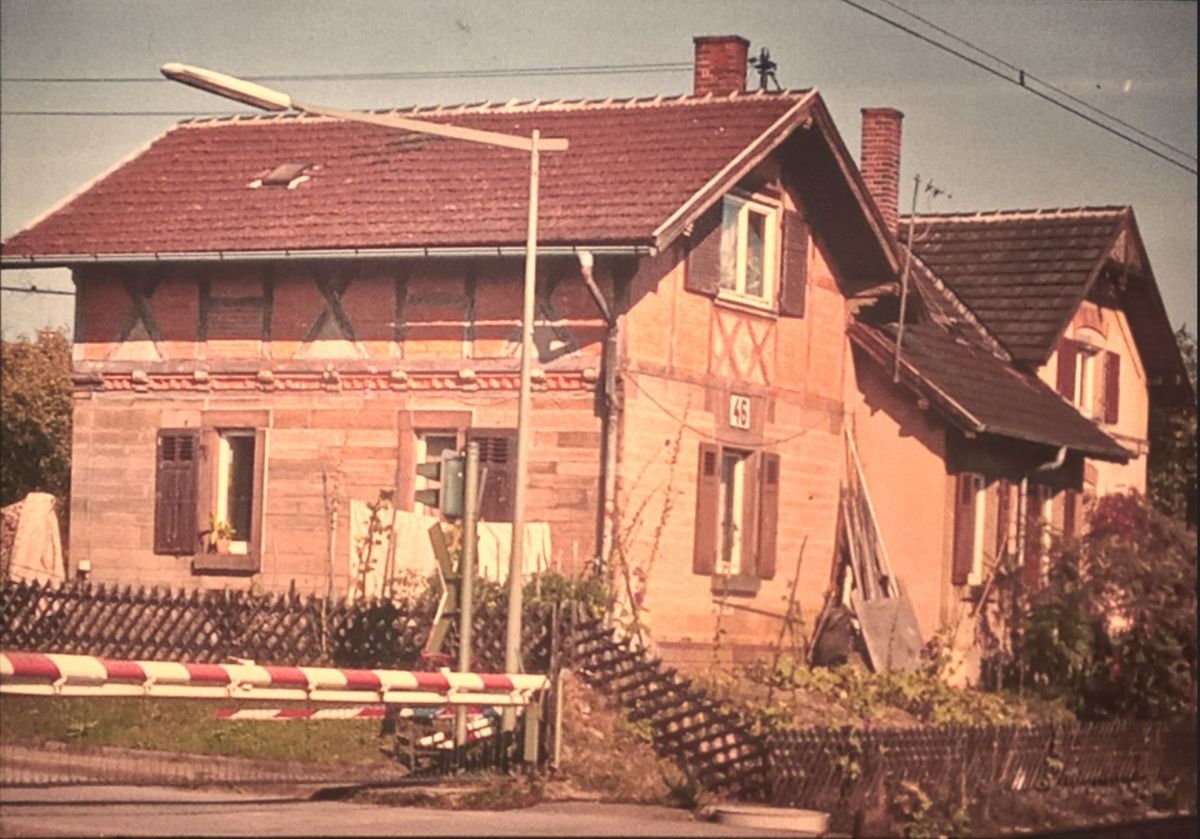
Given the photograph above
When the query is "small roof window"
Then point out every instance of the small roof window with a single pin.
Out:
(289, 175)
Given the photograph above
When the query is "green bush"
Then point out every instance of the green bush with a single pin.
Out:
(1113, 631)
(35, 417)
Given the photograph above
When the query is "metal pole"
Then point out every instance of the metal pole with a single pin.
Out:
(466, 572)
(912, 223)
(512, 638)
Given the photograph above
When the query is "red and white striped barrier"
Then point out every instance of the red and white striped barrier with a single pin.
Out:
(54, 674)
(286, 714)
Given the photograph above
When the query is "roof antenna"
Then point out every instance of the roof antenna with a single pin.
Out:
(766, 69)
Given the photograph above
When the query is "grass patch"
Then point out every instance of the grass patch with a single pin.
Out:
(187, 726)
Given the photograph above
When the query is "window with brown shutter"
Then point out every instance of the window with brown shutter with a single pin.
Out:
(768, 516)
(175, 482)
(737, 517)
(1112, 387)
(708, 506)
(497, 458)
(796, 237)
(964, 528)
(1067, 351)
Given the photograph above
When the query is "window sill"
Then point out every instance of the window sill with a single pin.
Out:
(231, 564)
(741, 304)
(735, 585)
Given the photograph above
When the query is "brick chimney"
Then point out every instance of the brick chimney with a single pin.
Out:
(720, 67)
(880, 160)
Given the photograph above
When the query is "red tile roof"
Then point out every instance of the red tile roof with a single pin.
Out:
(1022, 272)
(630, 166)
(982, 394)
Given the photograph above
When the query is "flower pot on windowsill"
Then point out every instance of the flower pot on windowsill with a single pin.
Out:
(220, 545)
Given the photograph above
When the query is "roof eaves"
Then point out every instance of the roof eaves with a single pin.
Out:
(883, 353)
(733, 171)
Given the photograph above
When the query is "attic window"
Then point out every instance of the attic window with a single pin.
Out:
(289, 175)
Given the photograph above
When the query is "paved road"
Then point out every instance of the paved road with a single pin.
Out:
(159, 811)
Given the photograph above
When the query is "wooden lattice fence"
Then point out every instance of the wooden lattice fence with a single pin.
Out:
(850, 769)
(828, 769)
(213, 626)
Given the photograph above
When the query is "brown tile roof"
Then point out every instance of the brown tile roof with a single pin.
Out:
(980, 393)
(1021, 272)
(631, 165)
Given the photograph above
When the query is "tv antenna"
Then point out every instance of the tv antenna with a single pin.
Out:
(765, 68)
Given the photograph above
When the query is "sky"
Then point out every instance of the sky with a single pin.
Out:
(985, 142)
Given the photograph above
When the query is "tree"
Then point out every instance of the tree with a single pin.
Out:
(35, 417)
(1172, 462)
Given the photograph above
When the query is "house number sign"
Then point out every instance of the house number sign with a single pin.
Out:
(739, 411)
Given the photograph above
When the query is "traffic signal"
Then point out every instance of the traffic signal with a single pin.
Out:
(449, 472)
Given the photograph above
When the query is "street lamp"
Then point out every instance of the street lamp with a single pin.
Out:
(258, 96)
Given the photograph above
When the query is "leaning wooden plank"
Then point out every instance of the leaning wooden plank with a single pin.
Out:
(890, 631)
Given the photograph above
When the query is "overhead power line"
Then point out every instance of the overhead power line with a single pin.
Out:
(482, 73)
(1021, 82)
(1030, 77)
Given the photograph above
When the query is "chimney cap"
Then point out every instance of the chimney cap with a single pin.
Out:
(704, 39)
(884, 111)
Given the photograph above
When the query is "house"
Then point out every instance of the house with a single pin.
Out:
(280, 315)
(1038, 345)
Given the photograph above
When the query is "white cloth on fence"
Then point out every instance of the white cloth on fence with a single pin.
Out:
(401, 553)
(37, 547)
(403, 556)
(495, 547)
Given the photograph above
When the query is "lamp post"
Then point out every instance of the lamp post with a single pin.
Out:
(259, 96)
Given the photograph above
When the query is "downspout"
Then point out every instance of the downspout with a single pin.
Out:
(610, 406)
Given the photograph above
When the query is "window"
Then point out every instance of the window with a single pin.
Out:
(969, 529)
(749, 250)
(209, 492)
(752, 251)
(737, 511)
(733, 510)
(1039, 513)
(1091, 379)
(235, 487)
(497, 452)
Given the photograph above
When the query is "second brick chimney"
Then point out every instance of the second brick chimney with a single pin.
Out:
(880, 160)
(720, 67)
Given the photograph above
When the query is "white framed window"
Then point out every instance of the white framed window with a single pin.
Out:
(749, 250)
(733, 510)
(235, 486)
(979, 501)
(1087, 384)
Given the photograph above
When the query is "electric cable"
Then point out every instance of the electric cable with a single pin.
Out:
(1019, 83)
(1030, 77)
